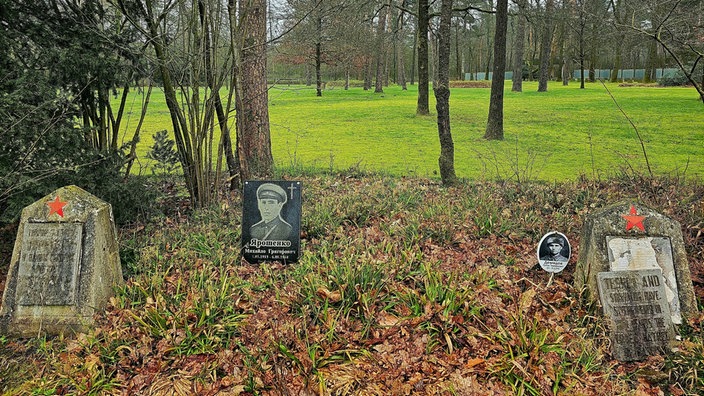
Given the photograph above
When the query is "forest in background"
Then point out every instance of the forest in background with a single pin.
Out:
(350, 37)
(63, 60)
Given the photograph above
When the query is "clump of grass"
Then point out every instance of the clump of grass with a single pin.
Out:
(532, 359)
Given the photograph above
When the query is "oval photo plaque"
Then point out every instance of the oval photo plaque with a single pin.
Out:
(554, 251)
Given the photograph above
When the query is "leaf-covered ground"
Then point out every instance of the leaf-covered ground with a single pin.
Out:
(404, 287)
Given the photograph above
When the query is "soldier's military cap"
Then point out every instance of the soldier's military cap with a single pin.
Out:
(271, 191)
(557, 240)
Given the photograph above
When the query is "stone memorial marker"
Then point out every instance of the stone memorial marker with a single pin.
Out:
(638, 311)
(630, 241)
(271, 221)
(64, 267)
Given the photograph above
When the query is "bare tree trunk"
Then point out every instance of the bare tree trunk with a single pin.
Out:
(545, 48)
(135, 138)
(413, 58)
(208, 50)
(423, 107)
(519, 49)
(368, 75)
(651, 62)
(400, 64)
(592, 61)
(318, 75)
(458, 57)
(489, 49)
(580, 33)
(442, 96)
(495, 124)
(617, 63)
(253, 138)
(178, 119)
(381, 50)
(401, 70)
(318, 57)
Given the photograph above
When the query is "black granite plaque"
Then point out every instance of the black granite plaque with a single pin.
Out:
(49, 264)
(636, 305)
(271, 221)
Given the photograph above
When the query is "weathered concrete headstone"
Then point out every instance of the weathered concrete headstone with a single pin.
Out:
(630, 236)
(65, 265)
(633, 259)
(271, 221)
(634, 301)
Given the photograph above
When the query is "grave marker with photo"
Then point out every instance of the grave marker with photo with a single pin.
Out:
(633, 260)
(271, 221)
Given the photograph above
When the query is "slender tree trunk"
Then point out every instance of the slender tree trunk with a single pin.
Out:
(651, 62)
(592, 56)
(581, 63)
(217, 102)
(178, 120)
(582, 27)
(368, 75)
(423, 82)
(458, 57)
(489, 51)
(318, 75)
(318, 57)
(519, 48)
(618, 63)
(309, 76)
(616, 7)
(400, 64)
(253, 136)
(442, 96)
(381, 50)
(413, 58)
(401, 70)
(118, 120)
(135, 139)
(495, 123)
(546, 44)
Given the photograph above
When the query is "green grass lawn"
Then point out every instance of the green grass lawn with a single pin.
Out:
(557, 135)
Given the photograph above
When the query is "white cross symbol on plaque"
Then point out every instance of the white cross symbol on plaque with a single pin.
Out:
(291, 188)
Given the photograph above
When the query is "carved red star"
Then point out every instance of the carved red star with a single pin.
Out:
(56, 206)
(633, 220)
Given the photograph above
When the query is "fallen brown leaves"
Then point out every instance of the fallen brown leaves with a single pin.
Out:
(404, 288)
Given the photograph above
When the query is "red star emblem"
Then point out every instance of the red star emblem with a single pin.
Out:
(56, 206)
(633, 220)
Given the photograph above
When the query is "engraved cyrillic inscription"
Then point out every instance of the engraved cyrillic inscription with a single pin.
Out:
(49, 264)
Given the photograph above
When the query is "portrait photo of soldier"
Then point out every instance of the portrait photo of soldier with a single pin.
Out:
(554, 247)
(270, 200)
(271, 220)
